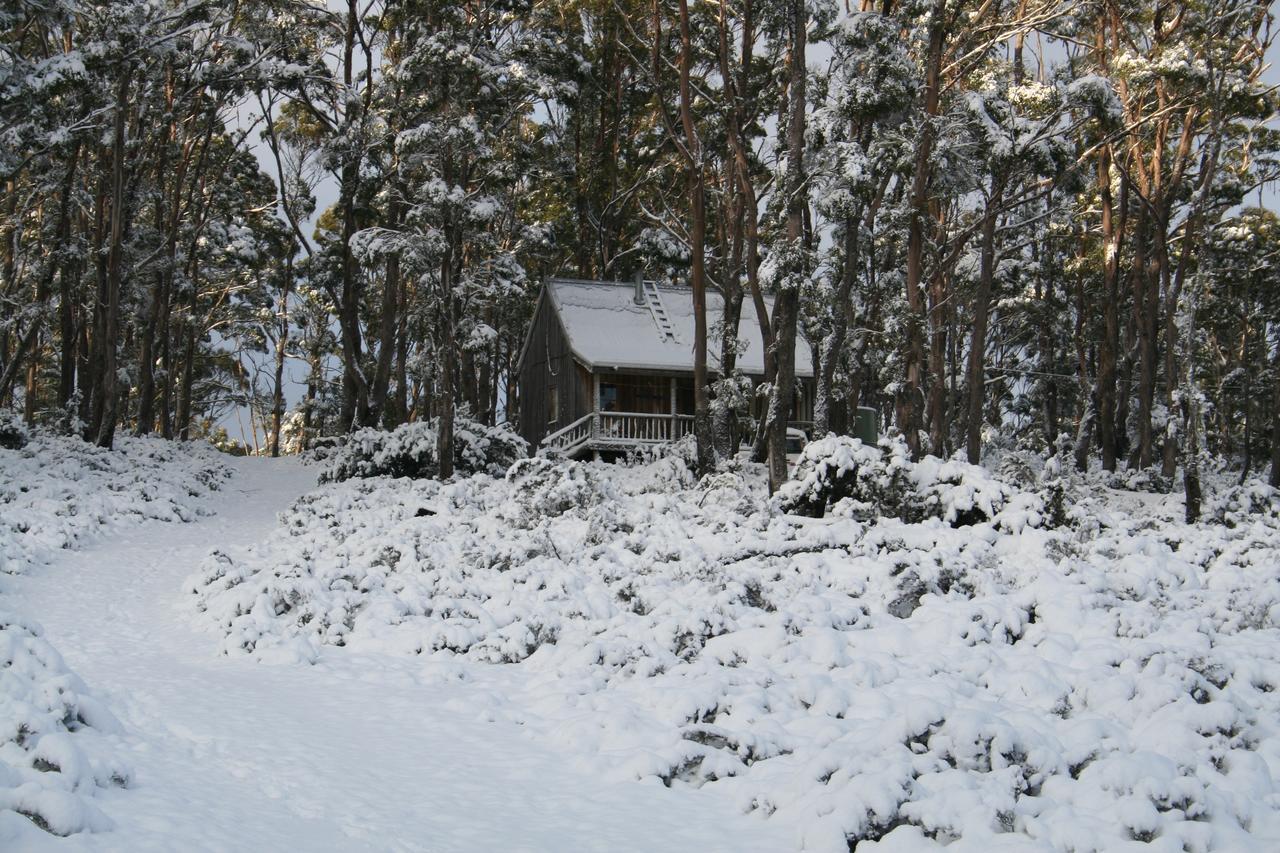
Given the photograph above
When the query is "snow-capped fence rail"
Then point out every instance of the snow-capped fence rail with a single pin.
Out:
(635, 428)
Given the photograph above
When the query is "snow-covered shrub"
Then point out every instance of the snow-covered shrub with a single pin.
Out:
(732, 489)
(409, 450)
(1018, 468)
(13, 433)
(322, 449)
(544, 489)
(873, 479)
(1241, 504)
(661, 468)
(1003, 684)
(478, 448)
(52, 753)
(876, 481)
(684, 450)
(1056, 487)
(56, 490)
(1142, 480)
(957, 492)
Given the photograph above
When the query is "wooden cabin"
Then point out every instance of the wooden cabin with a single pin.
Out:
(608, 365)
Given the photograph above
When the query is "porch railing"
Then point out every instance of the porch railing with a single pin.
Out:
(634, 428)
(571, 438)
(618, 429)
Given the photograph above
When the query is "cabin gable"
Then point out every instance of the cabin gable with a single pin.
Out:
(554, 387)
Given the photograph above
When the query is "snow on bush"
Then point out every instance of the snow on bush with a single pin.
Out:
(885, 683)
(56, 492)
(409, 450)
(52, 750)
(868, 482)
(1244, 503)
(13, 433)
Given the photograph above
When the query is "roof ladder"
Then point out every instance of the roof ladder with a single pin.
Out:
(660, 316)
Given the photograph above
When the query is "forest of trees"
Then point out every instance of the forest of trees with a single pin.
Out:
(1032, 222)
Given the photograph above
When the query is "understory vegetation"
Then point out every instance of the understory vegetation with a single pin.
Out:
(928, 654)
(410, 450)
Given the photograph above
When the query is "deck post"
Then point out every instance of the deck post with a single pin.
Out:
(595, 412)
(673, 409)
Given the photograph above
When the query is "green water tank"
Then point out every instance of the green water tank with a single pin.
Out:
(864, 425)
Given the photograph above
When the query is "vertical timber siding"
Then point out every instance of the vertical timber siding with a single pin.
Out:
(548, 361)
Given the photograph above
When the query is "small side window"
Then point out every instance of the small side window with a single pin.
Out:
(553, 404)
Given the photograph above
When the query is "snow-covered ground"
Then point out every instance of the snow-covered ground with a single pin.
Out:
(1068, 668)
(592, 657)
(57, 494)
(363, 751)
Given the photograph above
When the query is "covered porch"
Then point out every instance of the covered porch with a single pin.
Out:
(632, 410)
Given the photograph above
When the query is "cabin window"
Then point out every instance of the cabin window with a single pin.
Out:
(608, 397)
(553, 404)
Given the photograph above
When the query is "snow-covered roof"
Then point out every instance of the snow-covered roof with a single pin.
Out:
(607, 328)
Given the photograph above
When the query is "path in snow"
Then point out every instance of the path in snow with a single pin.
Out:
(359, 753)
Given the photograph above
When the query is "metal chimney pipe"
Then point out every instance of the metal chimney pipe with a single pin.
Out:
(638, 296)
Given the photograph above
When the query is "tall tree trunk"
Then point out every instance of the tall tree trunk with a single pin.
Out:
(282, 343)
(1274, 477)
(1086, 408)
(978, 339)
(146, 353)
(188, 364)
(448, 380)
(166, 363)
(787, 303)
(697, 249)
(1144, 320)
(108, 394)
(1194, 236)
(910, 398)
(386, 334)
(1169, 446)
(833, 345)
(724, 426)
(738, 206)
(937, 397)
(1108, 348)
(401, 396)
(146, 361)
(355, 388)
(67, 334)
(86, 378)
(9, 282)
